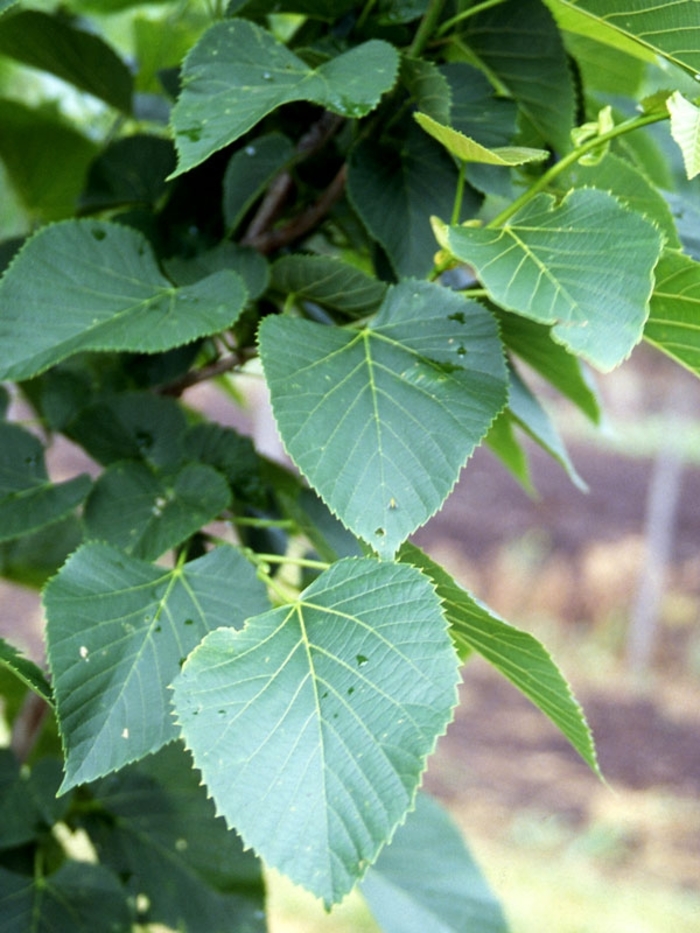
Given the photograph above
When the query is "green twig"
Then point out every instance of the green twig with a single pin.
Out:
(571, 158)
(472, 11)
(459, 194)
(426, 28)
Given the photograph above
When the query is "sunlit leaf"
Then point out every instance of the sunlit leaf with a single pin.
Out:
(685, 129)
(675, 310)
(468, 150)
(324, 710)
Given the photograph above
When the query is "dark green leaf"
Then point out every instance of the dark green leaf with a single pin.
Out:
(118, 630)
(250, 171)
(131, 426)
(28, 804)
(6, 4)
(396, 188)
(238, 73)
(160, 831)
(325, 710)
(584, 265)
(329, 282)
(81, 58)
(28, 498)
(518, 655)
(673, 320)
(533, 343)
(78, 898)
(27, 671)
(230, 453)
(476, 110)
(145, 512)
(100, 288)
(33, 558)
(428, 88)
(246, 262)
(426, 879)
(519, 43)
(381, 420)
(45, 157)
(130, 171)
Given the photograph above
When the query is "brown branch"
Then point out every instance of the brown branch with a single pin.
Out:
(195, 376)
(314, 139)
(270, 240)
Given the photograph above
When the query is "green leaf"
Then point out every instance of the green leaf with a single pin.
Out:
(6, 4)
(250, 171)
(518, 43)
(78, 898)
(45, 157)
(238, 73)
(81, 58)
(584, 265)
(25, 670)
(329, 282)
(131, 425)
(145, 512)
(100, 288)
(640, 27)
(675, 305)
(503, 442)
(382, 419)
(412, 889)
(328, 10)
(518, 655)
(396, 187)
(685, 129)
(325, 710)
(129, 626)
(533, 343)
(428, 87)
(476, 110)
(152, 822)
(468, 150)
(28, 804)
(33, 558)
(131, 170)
(531, 416)
(28, 498)
(629, 185)
(246, 262)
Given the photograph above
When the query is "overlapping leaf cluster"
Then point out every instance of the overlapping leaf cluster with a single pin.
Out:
(390, 212)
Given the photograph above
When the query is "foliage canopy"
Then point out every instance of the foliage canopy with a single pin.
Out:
(392, 213)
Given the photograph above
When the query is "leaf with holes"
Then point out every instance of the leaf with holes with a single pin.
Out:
(584, 265)
(312, 724)
(118, 630)
(382, 419)
(100, 288)
(238, 73)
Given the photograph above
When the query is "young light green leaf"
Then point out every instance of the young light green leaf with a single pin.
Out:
(118, 630)
(329, 282)
(584, 265)
(685, 129)
(520, 46)
(78, 898)
(325, 711)
(153, 822)
(468, 150)
(675, 305)
(249, 172)
(238, 73)
(100, 288)
(25, 670)
(145, 513)
(382, 419)
(518, 655)
(639, 27)
(51, 43)
(28, 498)
(409, 890)
(396, 188)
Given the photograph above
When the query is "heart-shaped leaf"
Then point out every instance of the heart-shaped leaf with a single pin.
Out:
(312, 724)
(584, 265)
(89, 285)
(238, 73)
(382, 419)
(130, 625)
